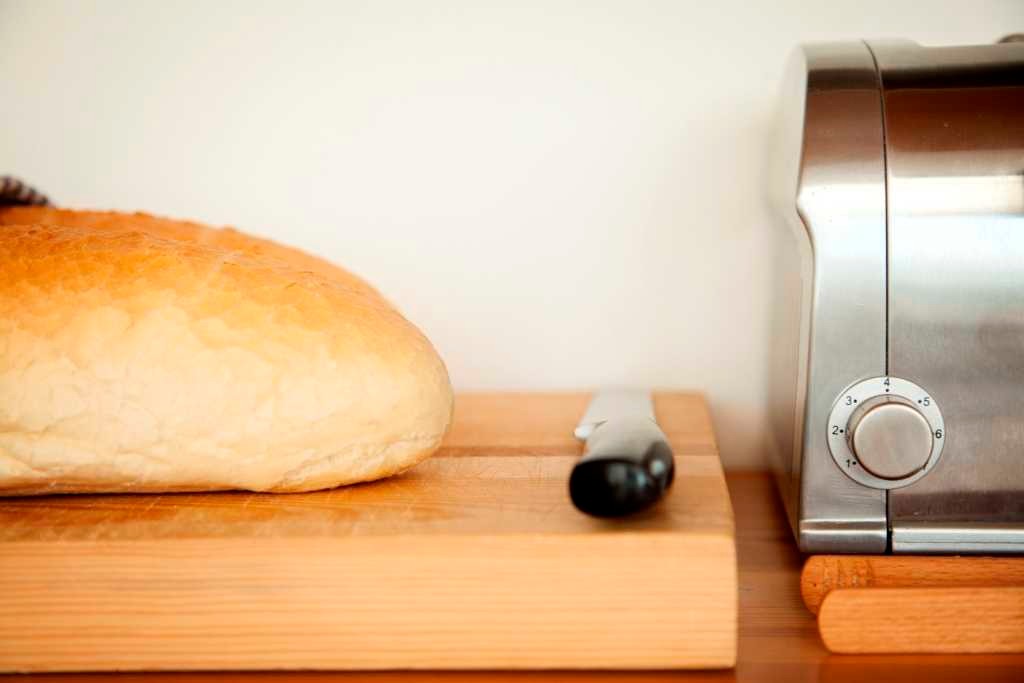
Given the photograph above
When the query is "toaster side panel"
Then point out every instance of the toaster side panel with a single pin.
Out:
(792, 275)
(838, 246)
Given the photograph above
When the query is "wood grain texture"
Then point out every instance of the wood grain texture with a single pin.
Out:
(488, 423)
(778, 637)
(824, 573)
(475, 559)
(923, 620)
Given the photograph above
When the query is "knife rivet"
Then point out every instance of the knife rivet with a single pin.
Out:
(656, 468)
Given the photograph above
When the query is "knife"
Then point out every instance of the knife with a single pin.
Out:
(627, 462)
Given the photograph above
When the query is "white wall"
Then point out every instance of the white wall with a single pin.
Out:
(561, 194)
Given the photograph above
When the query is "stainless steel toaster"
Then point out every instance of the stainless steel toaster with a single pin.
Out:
(897, 360)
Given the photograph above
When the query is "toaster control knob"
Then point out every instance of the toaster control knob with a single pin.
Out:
(885, 432)
(890, 437)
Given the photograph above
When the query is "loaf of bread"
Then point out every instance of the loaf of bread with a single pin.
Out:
(144, 354)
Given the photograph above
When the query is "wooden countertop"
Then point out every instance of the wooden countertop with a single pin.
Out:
(778, 640)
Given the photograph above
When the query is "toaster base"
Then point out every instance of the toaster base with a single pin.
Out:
(963, 539)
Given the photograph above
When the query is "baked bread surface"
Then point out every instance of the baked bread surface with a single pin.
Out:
(144, 354)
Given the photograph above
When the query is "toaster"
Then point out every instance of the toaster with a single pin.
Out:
(896, 388)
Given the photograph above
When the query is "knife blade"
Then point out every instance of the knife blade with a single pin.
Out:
(627, 463)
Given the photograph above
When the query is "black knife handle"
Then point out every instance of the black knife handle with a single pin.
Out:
(627, 466)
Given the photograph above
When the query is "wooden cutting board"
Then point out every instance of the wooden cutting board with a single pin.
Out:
(474, 559)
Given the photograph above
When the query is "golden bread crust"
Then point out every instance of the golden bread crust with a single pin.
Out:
(141, 354)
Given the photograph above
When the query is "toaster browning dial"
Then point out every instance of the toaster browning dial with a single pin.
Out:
(885, 432)
(890, 438)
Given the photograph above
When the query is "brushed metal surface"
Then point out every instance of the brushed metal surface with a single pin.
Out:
(954, 122)
(614, 403)
(829, 324)
(890, 438)
(931, 536)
